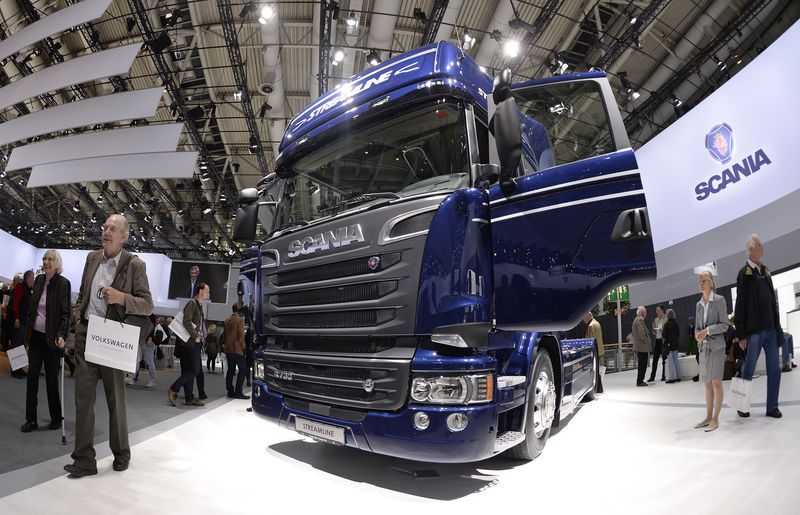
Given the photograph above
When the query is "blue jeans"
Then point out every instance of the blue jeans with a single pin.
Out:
(234, 361)
(147, 354)
(674, 369)
(768, 340)
(788, 350)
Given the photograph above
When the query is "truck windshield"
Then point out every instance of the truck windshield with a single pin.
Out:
(421, 152)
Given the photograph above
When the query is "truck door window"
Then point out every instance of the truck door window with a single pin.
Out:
(562, 123)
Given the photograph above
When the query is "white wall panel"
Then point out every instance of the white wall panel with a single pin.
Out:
(129, 105)
(702, 209)
(75, 71)
(152, 138)
(160, 165)
(60, 20)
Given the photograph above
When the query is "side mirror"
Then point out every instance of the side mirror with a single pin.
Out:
(508, 139)
(505, 128)
(248, 196)
(244, 227)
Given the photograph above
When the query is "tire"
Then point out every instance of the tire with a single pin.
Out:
(592, 394)
(540, 409)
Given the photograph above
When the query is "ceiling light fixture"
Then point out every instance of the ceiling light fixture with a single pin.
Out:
(237, 96)
(511, 48)
(468, 41)
(373, 58)
(352, 23)
(267, 12)
(338, 56)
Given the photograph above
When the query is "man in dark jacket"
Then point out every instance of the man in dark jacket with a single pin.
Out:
(758, 322)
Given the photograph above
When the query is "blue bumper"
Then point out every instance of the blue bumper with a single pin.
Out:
(394, 434)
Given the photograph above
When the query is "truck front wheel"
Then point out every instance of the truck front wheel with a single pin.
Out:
(540, 409)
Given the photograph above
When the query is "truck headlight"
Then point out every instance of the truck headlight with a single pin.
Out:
(258, 370)
(466, 389)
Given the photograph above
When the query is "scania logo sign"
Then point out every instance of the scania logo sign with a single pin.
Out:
(325, 240)
(719, 142)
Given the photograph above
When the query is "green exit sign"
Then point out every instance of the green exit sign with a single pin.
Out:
(621, 292)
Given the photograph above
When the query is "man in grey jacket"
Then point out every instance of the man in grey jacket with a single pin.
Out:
(641, 343)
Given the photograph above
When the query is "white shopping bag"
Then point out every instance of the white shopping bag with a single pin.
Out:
(112, 344)
(17, 357)
(176, 326)
(739, 396)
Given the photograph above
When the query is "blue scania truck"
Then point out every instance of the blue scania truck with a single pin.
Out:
(426, 237)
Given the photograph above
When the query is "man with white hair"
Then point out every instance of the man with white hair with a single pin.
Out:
(114, 285)
(642, 345)
(758, 323)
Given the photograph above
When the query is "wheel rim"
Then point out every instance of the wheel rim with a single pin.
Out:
(544, 404)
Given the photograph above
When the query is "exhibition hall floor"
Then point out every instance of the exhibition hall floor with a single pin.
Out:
(631, 451)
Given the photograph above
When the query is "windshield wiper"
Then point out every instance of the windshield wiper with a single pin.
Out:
(360, 199)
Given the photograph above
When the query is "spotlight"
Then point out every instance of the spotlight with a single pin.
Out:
(675, 101)
(130, 24)
(237, 96)
(195, 113)
(100, 197)
(77, 206)
(468, 41)
(338, 55)
(254, 144)
(267, 12)
(511, 48)
(160, 44)
(373, 58)
(263, 111)
(419, 15)
(352, 23)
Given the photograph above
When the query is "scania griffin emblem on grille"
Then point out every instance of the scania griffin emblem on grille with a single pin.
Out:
(374, 262)
(368, 384)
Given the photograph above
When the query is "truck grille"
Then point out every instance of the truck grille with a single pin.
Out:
(345, 345)
(334, 320)
(379, 384)
(352, 293)
(358, 266)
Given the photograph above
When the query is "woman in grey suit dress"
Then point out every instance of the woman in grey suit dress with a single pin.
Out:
(711, 321)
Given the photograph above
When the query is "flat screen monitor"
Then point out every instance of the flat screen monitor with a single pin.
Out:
(213, 274)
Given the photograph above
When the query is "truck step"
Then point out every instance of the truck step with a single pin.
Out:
(508, 440)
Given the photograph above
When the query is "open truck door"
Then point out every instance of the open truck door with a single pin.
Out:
(568, 215)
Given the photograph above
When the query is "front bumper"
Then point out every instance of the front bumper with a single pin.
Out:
(394, 434)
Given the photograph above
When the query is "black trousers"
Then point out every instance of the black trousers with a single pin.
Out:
(211, 362)
(190, 367)
(642, 368)
(656, 356)
(39, 352)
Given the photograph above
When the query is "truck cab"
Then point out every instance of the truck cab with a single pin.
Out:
(426, 237)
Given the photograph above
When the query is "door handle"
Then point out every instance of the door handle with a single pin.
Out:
(632, 224)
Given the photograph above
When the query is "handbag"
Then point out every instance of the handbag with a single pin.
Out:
(739, 394)
(159, 353)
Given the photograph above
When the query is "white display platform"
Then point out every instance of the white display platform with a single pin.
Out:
(623, 453)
